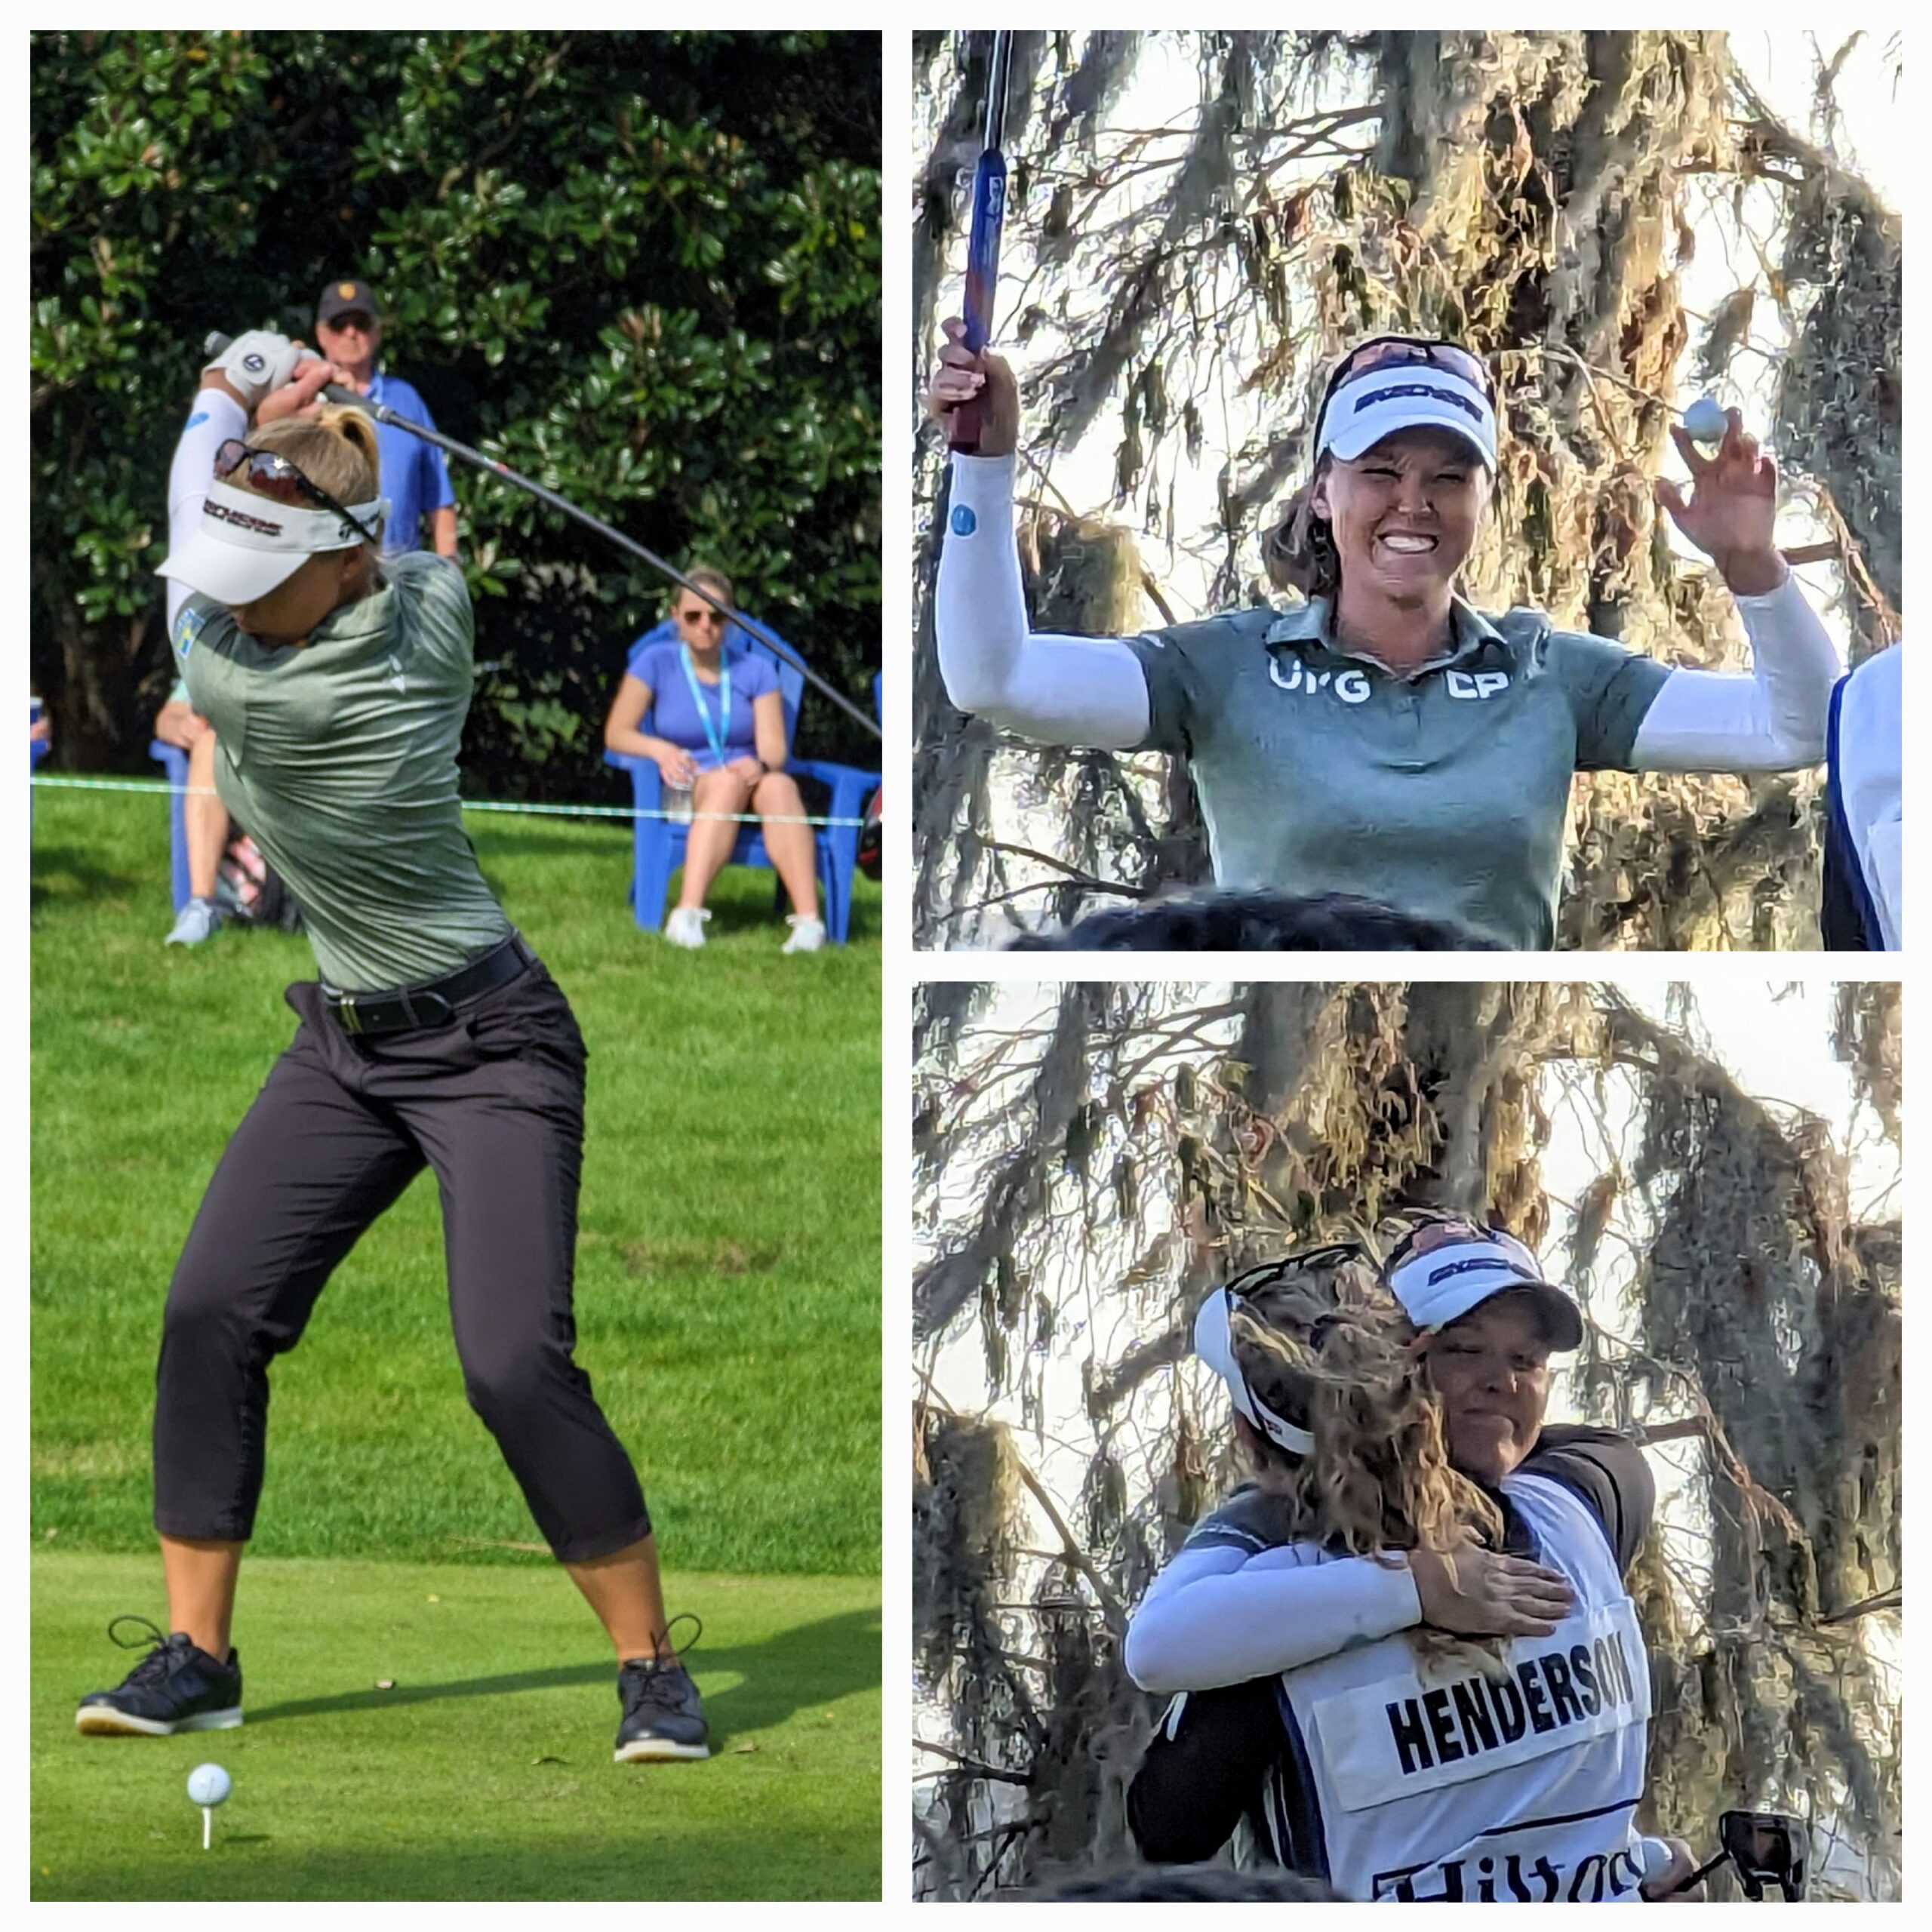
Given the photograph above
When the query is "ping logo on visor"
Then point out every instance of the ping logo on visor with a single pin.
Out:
(1397, 392)
(1481, 1265)
(242, 519)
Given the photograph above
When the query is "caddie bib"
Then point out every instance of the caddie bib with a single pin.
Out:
(1434, 1779)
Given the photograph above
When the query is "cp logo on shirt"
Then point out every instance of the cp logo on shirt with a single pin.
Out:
(1475, 684)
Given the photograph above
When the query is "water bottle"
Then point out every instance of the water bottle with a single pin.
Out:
(677, 803)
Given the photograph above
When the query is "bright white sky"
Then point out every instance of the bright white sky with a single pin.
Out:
(1869, 141)
(1773, 1040)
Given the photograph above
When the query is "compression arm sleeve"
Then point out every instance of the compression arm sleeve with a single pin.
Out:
(215, 417)
(1206, 1765)
(1773, 721)
(1219, 1615)
(1056, 691)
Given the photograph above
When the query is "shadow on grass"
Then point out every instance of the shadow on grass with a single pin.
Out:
(659, 1861)
(812, 1664)
(81, 875)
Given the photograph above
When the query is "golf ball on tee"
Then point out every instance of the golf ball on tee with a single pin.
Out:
(1705, 421)
(208, 1784)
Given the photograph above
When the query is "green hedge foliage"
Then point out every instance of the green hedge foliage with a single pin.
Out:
(643, 268)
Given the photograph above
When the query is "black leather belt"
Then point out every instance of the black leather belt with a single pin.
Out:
(435, 1002)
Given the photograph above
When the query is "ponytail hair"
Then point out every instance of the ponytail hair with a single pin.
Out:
(1336, 1358)
(335, 449)
(1299, 553)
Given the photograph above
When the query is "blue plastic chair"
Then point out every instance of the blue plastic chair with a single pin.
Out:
(36, 750)
(174, 761)
(659, 844)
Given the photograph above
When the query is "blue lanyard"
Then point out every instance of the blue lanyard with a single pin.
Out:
(715, 736)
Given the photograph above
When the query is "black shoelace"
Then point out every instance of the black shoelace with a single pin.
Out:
(656, 1682)
(159, 1660)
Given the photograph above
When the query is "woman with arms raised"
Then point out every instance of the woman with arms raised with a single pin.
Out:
(1384, 739)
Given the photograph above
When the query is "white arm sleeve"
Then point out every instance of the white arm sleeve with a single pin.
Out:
(1773, 721)
(1218, 1615)
(1059, 690)
(215, 417)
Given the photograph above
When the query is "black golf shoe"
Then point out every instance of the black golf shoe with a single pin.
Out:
(663, 1717)
(174, 1688)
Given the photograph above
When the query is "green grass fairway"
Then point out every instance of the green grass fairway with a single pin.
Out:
(727, 1293)
(727, 1303)
(486, 1773)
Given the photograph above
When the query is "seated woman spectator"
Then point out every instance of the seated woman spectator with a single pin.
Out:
(719, 732)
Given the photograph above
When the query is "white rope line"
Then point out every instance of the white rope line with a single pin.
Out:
(153, 789)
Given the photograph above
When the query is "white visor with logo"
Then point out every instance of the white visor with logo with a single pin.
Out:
(1452, 1268)
(1406, 395)
(1214, 1342)
(244, 545)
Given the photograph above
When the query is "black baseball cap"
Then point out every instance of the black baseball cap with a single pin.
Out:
(340, 298)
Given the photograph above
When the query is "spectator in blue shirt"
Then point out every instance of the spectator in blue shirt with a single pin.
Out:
(718, 735)
(415, 479)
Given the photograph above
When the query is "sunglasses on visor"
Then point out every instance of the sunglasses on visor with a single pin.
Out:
(277, 478)
(1273, 1274)
(1397, 352)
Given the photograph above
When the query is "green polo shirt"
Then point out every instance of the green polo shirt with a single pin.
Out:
(340, 757)
(1442, 794)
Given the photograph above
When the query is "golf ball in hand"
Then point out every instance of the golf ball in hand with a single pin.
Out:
(1705, 421)
(209, 1784)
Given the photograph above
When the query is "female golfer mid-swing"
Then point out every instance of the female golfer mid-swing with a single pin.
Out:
(1383, 739)
(337, 686)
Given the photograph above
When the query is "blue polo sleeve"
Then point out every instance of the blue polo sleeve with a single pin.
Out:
(753, 674)
(649, 657)
(434, 489)
(1609, 687)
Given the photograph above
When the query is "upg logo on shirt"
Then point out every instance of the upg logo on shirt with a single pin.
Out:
(1351, 687)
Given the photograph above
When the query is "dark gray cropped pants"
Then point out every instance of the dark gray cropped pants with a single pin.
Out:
(494, 1102)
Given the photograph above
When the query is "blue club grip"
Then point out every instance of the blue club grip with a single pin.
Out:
(982, 279)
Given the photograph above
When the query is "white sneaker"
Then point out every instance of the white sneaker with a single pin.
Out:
(685, 926)
(808, 935)
(199, 919)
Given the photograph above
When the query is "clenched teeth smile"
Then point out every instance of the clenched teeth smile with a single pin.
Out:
(1409, 546)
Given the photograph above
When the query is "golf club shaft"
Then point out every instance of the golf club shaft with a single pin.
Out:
(217, 343)
(983, 241)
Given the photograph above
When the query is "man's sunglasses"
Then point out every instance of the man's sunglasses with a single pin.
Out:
(705, 615)
(274, 477)
(1398, 351)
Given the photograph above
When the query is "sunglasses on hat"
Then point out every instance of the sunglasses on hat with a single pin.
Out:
(1396, 352)
(274, 476)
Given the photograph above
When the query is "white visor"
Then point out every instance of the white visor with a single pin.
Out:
(244, 545)
(1451, 1268)
(1214, 1342)
(1406, 395)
